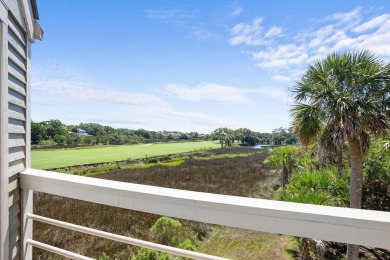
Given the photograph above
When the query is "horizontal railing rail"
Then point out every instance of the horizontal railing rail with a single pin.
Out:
(124, 239)
(345, 225)
(56, 250)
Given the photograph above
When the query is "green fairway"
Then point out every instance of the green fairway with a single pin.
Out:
(68, 157)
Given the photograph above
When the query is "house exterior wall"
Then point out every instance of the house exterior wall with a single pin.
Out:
(16, 34)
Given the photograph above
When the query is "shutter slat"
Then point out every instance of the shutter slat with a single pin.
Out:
(16, 153)
(16, 45)
(16, 99)
(16, 167)
(17, 30)
(15, 73)
(14, 197)
(12, 55)
(13, 183)
(16, 129)
(16, 142)
(16, 112)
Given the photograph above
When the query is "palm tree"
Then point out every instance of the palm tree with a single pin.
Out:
(321, 187)
(344, 97)
(284, 157)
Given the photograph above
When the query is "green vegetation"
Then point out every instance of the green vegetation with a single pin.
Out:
(341, 99)
(55, 134)
(222, 156)
(166, 231)
(341, 117)
(284, 158)
(228, 173)
(173, 163)
(312, 183)
(235, 243)
(68, 157)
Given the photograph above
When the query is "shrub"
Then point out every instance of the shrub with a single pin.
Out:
(165, 231)
(146, 254)
(153, 160)
(187, 245)
(165, 158)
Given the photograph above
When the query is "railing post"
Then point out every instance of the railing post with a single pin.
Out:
(27, 205)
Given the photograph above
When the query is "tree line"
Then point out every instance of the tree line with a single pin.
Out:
(54, 132)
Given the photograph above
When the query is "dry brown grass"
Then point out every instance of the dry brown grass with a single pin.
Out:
(240, 176)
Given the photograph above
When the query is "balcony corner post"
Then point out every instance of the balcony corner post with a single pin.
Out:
(27, 207)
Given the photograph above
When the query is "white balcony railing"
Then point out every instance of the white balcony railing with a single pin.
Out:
(353, 226)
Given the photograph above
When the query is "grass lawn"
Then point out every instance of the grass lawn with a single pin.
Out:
(69, 157)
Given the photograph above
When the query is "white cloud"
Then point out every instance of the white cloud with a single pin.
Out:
(236, 11)
(372, 24)
(69, 95)
(176, 17)
(248, 34)
(273, 32)
(83, 90)
(347, 17)
(253, 34)
(281, 57)
(222, 93)
(181, 20)
(344, 31)
(280, 94)
(282, 78)
(207, 91)
(202, 119)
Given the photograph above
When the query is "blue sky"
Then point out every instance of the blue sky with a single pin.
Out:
(189, 65)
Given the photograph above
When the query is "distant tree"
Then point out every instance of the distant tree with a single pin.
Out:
(220, 134)
(38, 132)
(60, 139)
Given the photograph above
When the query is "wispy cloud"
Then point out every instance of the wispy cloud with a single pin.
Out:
(188, 21)
(108, 105)
(353, 30)
(223, 93)
(281, 78)
(175, 17)
(281, 56)
(248, 34)
(207, 91)
(61, 80)
(274, 32)
(374, 23)
(236, 11)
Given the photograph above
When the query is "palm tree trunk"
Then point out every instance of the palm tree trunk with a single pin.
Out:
(340, 164)
(284, 177)
(356, 186)
(304, 249)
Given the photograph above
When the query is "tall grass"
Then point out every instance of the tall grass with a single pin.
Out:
(240, 176)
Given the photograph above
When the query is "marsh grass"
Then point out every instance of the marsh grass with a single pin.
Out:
(172, 163)
(238, 175)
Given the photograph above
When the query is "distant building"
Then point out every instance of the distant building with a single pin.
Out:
(82, 132)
